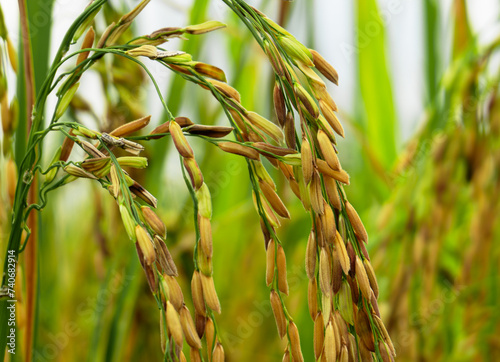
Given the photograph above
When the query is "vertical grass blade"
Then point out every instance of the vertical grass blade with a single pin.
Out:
(375, 82)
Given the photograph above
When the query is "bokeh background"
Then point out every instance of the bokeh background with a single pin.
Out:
(418, 99)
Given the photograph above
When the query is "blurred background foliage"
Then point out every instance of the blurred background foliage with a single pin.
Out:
(429, 198)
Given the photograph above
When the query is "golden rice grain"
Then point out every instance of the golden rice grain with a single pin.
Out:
(340, 176)
(180, 140)
(325, 272)
(364, 331)
(205, 235)
(279, 104)
(324, 67)
(239, 149)
(174, 324)
(279, 314)
(316, 194)
(218, 355)
(194, 172)
(210, 71)
(197, 294)
(311, 256)
(189, 328)
(175, 292)
(87, 43)
(319, 335)
(328, 151)
(336, 272)
(154, 221)
(307, 161)
(145, 244)
(312, 298)
(270, 262)
(356, 222)
(281, 268)
(332, 192)
(164, 257)
(209, 131)
(331, 117)
(210, 294)
(274, 200)
(345, 262)
(293, 334)
(330, 346)
(371, 276)
(131, 127)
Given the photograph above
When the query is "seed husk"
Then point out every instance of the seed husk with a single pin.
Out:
(328, 151)
(189, 328)
(362, 278)
(197, 294)
(330, 345)
(316, 195)
(205, 235)
(279, 314)
(194, 355)
(356, 222)
(145, 244)
(331, 117)
(306, 100)
(218, 355)
(174, 291)
(165, 127)
(225, 89)
(238, 149)
(385, 335)
(340, 176)
(174, 324)
(293, 334)
(210, 334)
(336, 272)
(289, 128)
(279, 104)
(270, 262)
(210, 294)
(324, 67)
(328, 223)
(205, 27)
(342, 253)
(131, 127)
(201, 322)
(364, 331)
(275, 150)
(180, 140)
(143, 194)
(204, 201)
(67, 147)
(281, 267)
(371, 276)
(346, 303)
(319, 335)
(87, 43)
(274, 200)
(312, 298)
(78, 172)
(210, 71)
(325, 272)
(332, 192)
(307, 161)
(265, 126)
(164, 258)
(154, 221)
(311, 256)
(209, 131)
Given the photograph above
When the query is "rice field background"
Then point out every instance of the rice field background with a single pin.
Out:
(418, 100)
